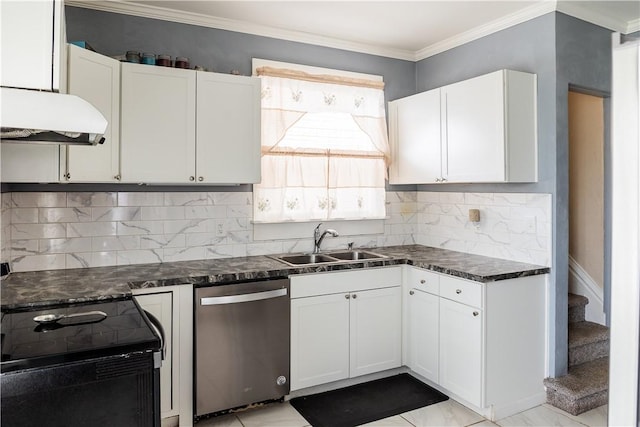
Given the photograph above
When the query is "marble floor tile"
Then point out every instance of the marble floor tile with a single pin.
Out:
(395, 421)
(229, 420)
(272, 415)
(539, 416)
(448, 413)
(596, 417)
(485, 423)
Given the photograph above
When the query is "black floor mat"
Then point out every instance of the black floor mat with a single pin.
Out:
(367, 402)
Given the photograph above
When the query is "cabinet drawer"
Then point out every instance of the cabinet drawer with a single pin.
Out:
(424, 280)
(464, 291)
(306, 285)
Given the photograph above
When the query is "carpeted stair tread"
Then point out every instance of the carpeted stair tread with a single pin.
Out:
(577, 300)
(583, 333)
(577, 308)
(582, 380)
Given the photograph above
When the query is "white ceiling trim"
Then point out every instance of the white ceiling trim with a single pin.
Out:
(516, 18)
(539, 9)
(238, 26)
(580, 12)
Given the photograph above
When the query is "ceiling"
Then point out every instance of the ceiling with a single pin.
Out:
(411, 30)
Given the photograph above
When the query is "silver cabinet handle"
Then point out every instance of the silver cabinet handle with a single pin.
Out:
(192, 178)
(422, 281)
(458, 291)
(354, 296)
(67, 176)
(437, 179)
(475, 313)
(117, 177)
(347, 296)
(200, 178)
(232, 299)
(411, 292)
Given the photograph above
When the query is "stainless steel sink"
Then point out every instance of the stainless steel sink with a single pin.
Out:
(355, 255)
(326, 258)
(306, 259)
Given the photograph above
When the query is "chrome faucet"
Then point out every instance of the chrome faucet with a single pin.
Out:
(318, 238)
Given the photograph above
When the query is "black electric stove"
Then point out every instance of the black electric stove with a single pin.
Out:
(86, 370)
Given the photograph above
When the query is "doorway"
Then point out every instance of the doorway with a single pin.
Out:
(587, 202)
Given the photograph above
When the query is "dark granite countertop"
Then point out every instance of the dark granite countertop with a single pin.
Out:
(55, 287)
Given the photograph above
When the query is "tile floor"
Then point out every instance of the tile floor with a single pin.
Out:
(448, 413)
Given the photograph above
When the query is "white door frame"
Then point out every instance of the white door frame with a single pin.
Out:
(625, 250)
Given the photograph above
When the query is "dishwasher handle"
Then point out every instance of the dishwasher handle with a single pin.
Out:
(233, 299)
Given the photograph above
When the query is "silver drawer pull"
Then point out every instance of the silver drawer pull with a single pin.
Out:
(475, 313)
(354, 296)
(232, 299)
(347, 296)
(458, 291)
(411, 292)
(422, 281)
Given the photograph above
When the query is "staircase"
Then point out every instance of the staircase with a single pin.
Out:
(586, 385)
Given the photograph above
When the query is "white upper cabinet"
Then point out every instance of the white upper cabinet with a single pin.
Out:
(158, 142)
(414, 127)
(228, 129)
(30, 162)
(487, 133)
(32, 35)
(182, 126)
(96, 79)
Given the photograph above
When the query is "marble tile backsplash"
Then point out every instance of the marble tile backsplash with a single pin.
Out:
(58, 230)
(514, 226)
(42, 231)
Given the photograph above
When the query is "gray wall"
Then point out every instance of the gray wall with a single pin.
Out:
(223, 51)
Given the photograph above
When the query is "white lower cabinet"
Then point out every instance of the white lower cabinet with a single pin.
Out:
(424, 333)
(481, 343)
(460, 368)
(173, 307)
(344, 324)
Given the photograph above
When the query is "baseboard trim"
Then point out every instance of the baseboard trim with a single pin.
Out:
(498, 412)
(582, 284)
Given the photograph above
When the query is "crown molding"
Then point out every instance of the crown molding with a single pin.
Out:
(633, 26)
(533, 11)
(155, 12)
(516, 18)
(578, 11)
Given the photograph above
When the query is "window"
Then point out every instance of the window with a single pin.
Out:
(324, 148)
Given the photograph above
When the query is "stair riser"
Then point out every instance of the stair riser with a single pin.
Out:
(578, 406)
(576, 313)
(588, 352)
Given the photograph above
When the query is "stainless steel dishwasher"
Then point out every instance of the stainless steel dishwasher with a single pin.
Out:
(241, 344)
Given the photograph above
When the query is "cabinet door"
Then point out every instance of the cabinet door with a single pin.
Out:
(414, 136)
(474, 135)
(30, 162)
(424, 319)
(30, 31)
(461, 350)
(157, 124)
(95, 78)
(319, 340)
(376, 330)
(161, 306)
(228, 129)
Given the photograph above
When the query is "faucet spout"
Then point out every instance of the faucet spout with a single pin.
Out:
(319, 237)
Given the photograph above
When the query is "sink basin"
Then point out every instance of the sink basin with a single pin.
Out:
(306, 259)
(324, 258)
(355, 255)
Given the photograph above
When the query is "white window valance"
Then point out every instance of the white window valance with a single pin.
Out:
(324, 146)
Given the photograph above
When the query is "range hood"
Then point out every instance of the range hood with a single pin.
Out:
(41, 117)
